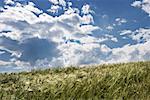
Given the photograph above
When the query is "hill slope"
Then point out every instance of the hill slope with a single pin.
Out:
(117, 81)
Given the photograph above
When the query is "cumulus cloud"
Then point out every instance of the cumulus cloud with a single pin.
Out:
(87, 19)
(54, 9)
(136, 4)
(127, 53)
(9, 2)
(86, 9)
(29, 33)
(111, 37)
(139, 35)
(57, 5)
(58, 2)
(7, 66)
(144, 5)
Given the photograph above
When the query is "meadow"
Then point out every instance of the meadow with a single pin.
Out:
(125, 81)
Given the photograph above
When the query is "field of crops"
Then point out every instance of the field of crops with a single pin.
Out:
(116, 81)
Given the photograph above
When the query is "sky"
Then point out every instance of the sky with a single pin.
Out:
(39, 34)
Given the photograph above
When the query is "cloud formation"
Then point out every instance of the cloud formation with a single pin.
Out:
(139, 35)
(144, 5)
(33, 38)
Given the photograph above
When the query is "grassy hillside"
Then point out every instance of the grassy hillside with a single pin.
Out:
(117, 81)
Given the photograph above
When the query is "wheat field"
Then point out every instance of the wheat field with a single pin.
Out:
(102, 82)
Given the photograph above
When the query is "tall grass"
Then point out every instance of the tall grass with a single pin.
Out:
(116, 81)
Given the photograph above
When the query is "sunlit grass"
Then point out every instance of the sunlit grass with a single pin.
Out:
(116, 81)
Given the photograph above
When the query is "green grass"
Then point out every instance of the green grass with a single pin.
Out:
(117, 81)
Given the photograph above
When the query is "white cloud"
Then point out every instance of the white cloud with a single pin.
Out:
(71, 10)
(54, 1)
(4, 63)
(144, 5)
(21, 13)
(111, 37)
(2, 52)
(136, 4)
(104, 16)
(139, 35)
(31, 7)
(58, 2)
(25, 25)
(62, 2)
(87, 19)
(76, 54)
(66, 24)
(86, 9)
(87, 29)
(128, 53)
(57, 5)
(126, 32)
(13, 53)
(7, 66)
(54, 9)
(110, 27)
(120, 21)
(69, 4)
(9, 1)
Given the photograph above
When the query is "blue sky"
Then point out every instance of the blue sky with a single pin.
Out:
(52, 33)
